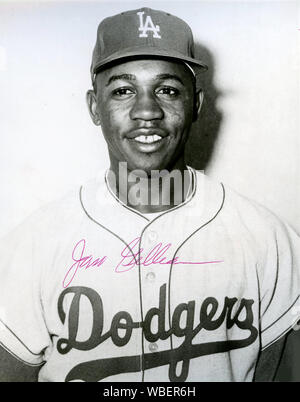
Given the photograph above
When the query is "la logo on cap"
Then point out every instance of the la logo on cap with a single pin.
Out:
(147, 25)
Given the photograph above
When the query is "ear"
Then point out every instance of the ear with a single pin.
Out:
(199, 96)
(92, 106)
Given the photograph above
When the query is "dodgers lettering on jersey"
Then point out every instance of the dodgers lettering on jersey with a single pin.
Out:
(100, 369)
(94, 291)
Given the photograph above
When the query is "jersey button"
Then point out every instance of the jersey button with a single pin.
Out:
(150, 276)
(152, 235)
(153, 347)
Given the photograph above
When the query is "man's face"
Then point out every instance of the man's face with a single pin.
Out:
(146, 110)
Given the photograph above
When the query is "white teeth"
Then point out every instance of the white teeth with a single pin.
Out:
(148, 139)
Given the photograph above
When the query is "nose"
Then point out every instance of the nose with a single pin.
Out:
(146, 107)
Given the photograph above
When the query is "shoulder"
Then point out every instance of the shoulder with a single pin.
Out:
(246, 221)
(53, 219)
(237, 208)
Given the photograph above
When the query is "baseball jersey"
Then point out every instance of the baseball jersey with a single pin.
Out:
(92, 290)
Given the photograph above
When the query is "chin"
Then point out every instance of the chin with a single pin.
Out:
(153, 167)
(147, 164)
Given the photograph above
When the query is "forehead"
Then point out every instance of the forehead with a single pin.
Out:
(147, 70)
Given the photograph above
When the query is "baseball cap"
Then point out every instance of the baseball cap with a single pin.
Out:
(144, 32)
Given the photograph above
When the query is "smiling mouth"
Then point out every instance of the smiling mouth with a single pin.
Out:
(148, 139)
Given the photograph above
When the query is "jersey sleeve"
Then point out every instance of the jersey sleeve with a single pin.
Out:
(23, 331)
(279, 283)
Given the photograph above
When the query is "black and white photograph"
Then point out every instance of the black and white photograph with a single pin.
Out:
(150, 203)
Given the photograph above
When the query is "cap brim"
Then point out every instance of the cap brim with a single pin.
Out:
(197, 65)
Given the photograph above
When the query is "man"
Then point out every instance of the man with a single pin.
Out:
(153, 272)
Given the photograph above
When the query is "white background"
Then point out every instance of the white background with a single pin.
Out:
(48, 144)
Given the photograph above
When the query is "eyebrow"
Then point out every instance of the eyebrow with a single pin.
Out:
(131, 77)
(127, 77)
(167, 76)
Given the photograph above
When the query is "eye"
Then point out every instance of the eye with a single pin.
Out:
(168, 91)
(122, 92)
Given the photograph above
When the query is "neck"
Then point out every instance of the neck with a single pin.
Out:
(149, 193)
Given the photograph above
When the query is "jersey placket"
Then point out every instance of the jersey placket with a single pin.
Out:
(154, 278)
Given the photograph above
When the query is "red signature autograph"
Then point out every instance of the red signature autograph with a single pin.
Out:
(131, 256)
